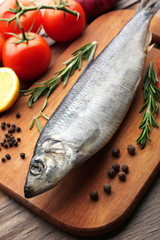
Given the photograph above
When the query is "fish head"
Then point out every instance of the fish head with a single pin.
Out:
(39, 177)
(48, 166)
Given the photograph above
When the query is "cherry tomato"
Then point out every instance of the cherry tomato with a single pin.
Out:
(158, 71)
(64, 29)
(27, 19)
(2, 41)
(158, 63)
(28, 59)
(158, 83)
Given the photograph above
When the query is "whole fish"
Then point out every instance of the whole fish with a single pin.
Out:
(94, 108)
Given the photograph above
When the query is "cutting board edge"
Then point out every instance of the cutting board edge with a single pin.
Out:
(90, 232)
(86, 231)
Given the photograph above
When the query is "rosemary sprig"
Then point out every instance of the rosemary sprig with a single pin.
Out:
(46, 88)
(151, 97)
(35, 119)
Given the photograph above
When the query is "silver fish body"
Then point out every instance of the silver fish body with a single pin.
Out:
(94, 108)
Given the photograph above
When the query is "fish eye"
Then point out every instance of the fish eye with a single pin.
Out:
(37, 167)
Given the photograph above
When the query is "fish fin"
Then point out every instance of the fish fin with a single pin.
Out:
(142, 5)
(148, 47)
(86, 146)
(152, 6)
(136, 86)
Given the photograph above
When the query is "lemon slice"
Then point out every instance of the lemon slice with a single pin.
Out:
(9, 88)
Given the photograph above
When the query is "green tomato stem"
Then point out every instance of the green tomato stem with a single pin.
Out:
(21, 10)
(59, 7)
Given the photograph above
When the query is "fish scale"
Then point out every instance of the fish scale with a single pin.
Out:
(94, 108)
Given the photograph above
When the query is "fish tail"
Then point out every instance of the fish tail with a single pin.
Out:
(151, 6)
(149, 9)
(142, 5)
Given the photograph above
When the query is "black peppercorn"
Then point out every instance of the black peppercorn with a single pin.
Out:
(15, 143)
(116, 167)
(13, 129)
(3, 127)
(18, 129)
(122, 176)
(6, 135)
(3, 159)
(10, 144)
(111, 172)
(8, 156)
(94, 195)
(8, 124)
(9, 130)
(107, 188)
(18, 115)
(22, 155)
(125, 168)
(5, 145)
(115, 152)
(18, 139)
(131, 149)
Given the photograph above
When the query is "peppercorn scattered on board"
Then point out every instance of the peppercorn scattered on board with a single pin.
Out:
(69, 206)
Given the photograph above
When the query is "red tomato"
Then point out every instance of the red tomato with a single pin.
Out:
(64, 29)
(26, 20)
(158, 63)
(28, 59)
(158, 71)
(158, 83)
(2, 41)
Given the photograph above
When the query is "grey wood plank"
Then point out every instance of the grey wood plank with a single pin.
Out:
(3, 198)
(18, 223)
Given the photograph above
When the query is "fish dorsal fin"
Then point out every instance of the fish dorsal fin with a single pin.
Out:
(148, 47)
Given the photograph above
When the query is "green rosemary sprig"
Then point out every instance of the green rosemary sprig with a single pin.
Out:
(35, 119)
(46, 88)
(151, 97)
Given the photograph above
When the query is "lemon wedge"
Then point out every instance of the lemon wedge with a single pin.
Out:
(9, 88)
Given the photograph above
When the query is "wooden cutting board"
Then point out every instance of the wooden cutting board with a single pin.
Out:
(68, 205)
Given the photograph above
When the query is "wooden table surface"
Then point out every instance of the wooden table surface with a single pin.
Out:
(17, 222)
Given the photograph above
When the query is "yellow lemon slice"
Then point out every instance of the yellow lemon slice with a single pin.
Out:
(9, 88)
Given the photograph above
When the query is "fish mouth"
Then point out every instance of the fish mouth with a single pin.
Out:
(30, 192)
(27, 192)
